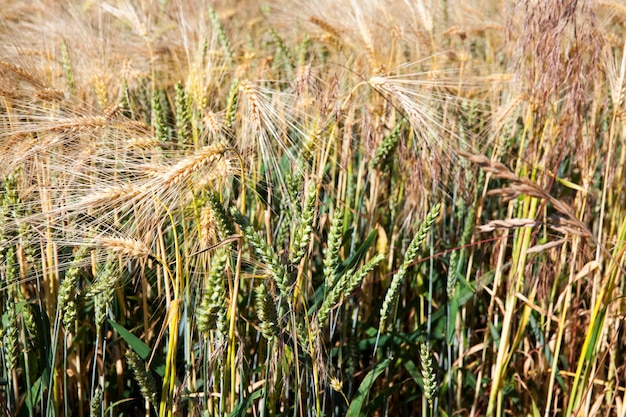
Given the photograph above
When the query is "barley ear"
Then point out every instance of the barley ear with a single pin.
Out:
(410, 255)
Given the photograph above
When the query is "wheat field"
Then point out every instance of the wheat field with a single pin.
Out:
(330, 208)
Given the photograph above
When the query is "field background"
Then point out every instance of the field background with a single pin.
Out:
(331, 208)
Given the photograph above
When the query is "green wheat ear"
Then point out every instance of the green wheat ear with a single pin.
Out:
(331, 255)
(102, 290)
(346, 284)
(145, 380)
(124, 101)
(265, 305)
(387, 147)
(158, 118)
(457, 258)
(96, 402)
(281, 47)
(452, 274)
(222, 36)
(67, 67)
(267, 254)
(428, 373)
(67, 298)
(223, 220)
(289, 206)
(28, 319)
(302, 235)
(183, 117)
(211, 313)
(9, 317)
(302, 49)
(9, 201)
(409, 257)
(231, 106)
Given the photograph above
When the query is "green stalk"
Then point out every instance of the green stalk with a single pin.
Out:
(588, 355)
(521, 245)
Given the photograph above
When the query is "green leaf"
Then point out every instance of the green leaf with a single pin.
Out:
(33, 396)
(364, 389)
(411, 368)
(243, 406)
(356, 256)
(379, 401)
(451, 324)
(140, 348)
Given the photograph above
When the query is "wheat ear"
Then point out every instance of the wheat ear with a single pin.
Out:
(387, 146)
(267, 254)
(145, 380)
(231, 105)
(265, 305)
(302, 235)
(344, 287)
(66, 303)
(331, 255)
(428, 373)
(221, 35)
(409, 257)
(183, 116)
(211, 312)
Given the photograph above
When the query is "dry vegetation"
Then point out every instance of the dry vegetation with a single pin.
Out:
(312, 208)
